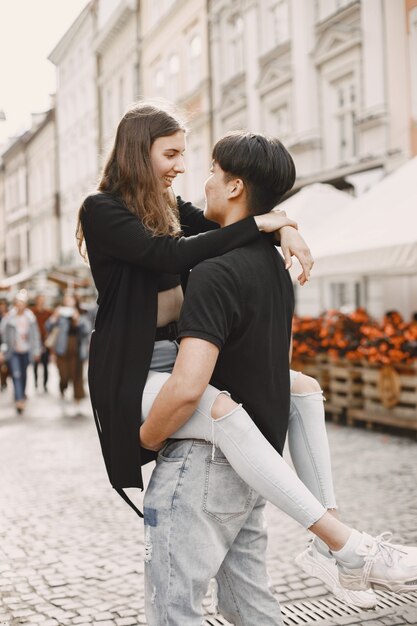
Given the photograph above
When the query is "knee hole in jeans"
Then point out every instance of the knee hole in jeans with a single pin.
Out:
(305, 384)
(222, 405)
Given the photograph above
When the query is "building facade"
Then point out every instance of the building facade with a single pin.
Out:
(43, 194)
(411, 36)
(117, 53)
(16, 211)
(324, 76)
(175, 67)
(76, 123)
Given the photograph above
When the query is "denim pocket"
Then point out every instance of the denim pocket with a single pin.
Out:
(172, 452)
(226, 495)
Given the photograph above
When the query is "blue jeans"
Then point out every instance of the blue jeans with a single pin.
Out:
(18, 364)
(203, 521)
(250, 454)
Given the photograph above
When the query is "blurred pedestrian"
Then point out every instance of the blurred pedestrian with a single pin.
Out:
(42, 313)
(4, 370)
(22, 345)
(71, 344)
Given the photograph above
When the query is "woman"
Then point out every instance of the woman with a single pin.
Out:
(22, 345)
(131, 230)
(71, 344)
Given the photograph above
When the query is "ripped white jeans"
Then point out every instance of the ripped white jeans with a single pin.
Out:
(253, 458)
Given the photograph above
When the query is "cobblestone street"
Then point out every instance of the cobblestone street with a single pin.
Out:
(72, 551)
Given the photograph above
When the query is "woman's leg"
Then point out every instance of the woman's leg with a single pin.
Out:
(63, 369)
(307, 438)
(255, 460)
(362, 560)
(16, 374)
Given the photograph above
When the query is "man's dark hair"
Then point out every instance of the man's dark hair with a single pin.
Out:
(263, 163)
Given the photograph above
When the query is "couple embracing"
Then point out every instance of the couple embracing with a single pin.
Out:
(193, 367)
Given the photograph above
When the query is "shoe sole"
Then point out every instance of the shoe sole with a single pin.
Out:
(312, 568)
(354, 585)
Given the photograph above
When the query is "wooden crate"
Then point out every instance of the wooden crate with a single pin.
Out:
(403, 414)
(345, 385)
(316, 367)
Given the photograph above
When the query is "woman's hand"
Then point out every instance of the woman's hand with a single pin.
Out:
(274, 220)
(292, 244)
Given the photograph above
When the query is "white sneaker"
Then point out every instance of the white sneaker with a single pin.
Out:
(325, 568)
(387, 566)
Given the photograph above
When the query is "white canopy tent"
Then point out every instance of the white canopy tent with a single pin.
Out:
(313, 207)
(369, 244)
(376, 234)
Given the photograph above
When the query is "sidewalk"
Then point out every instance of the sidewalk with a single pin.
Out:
(71, 552)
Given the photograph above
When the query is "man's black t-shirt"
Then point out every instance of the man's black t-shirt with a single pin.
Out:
(243, 302)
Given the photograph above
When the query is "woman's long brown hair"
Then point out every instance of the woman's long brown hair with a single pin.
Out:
(128, 171)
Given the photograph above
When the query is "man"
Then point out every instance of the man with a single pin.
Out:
(201, 519)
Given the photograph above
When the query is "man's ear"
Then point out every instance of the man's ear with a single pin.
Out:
(236, 187)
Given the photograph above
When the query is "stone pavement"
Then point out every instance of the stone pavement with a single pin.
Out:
(71, 552)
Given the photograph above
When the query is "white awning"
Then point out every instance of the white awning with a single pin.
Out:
(373, 234)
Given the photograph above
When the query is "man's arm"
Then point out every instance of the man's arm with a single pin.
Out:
(181, 394)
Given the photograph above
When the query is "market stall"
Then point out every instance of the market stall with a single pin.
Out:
(365, 249)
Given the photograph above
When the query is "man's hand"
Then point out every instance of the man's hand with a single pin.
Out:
(292, 244)
(147, 443)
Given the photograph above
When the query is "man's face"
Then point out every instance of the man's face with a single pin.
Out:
(167, 157)
(217, 192)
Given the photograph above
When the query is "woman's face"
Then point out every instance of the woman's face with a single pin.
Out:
(167, 157)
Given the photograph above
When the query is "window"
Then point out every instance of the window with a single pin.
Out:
(278, 20)
(345, 114)
(121, 96)
(279, 125)
(159, 82)
(108, 103)
(346, 294)
(413, 61)
(324, 8)
(194, 62)
(173, 76)
(158, 8)
(236, 28)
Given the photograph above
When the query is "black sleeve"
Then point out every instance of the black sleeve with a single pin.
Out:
(112, 228)
(192, 219)
(211, 305)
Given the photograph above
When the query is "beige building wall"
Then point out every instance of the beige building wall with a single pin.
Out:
(327, 77)
(2, 219)
(43, 195)
(77, 124)
(411, 25)
(116, 49)
(16, 213)
(175, 67)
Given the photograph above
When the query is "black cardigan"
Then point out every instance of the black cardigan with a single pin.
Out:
(125, 260)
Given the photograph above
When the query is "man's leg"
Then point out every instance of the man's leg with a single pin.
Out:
(244, 596)
(194, 508)
(45, 363)
(35, 373)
